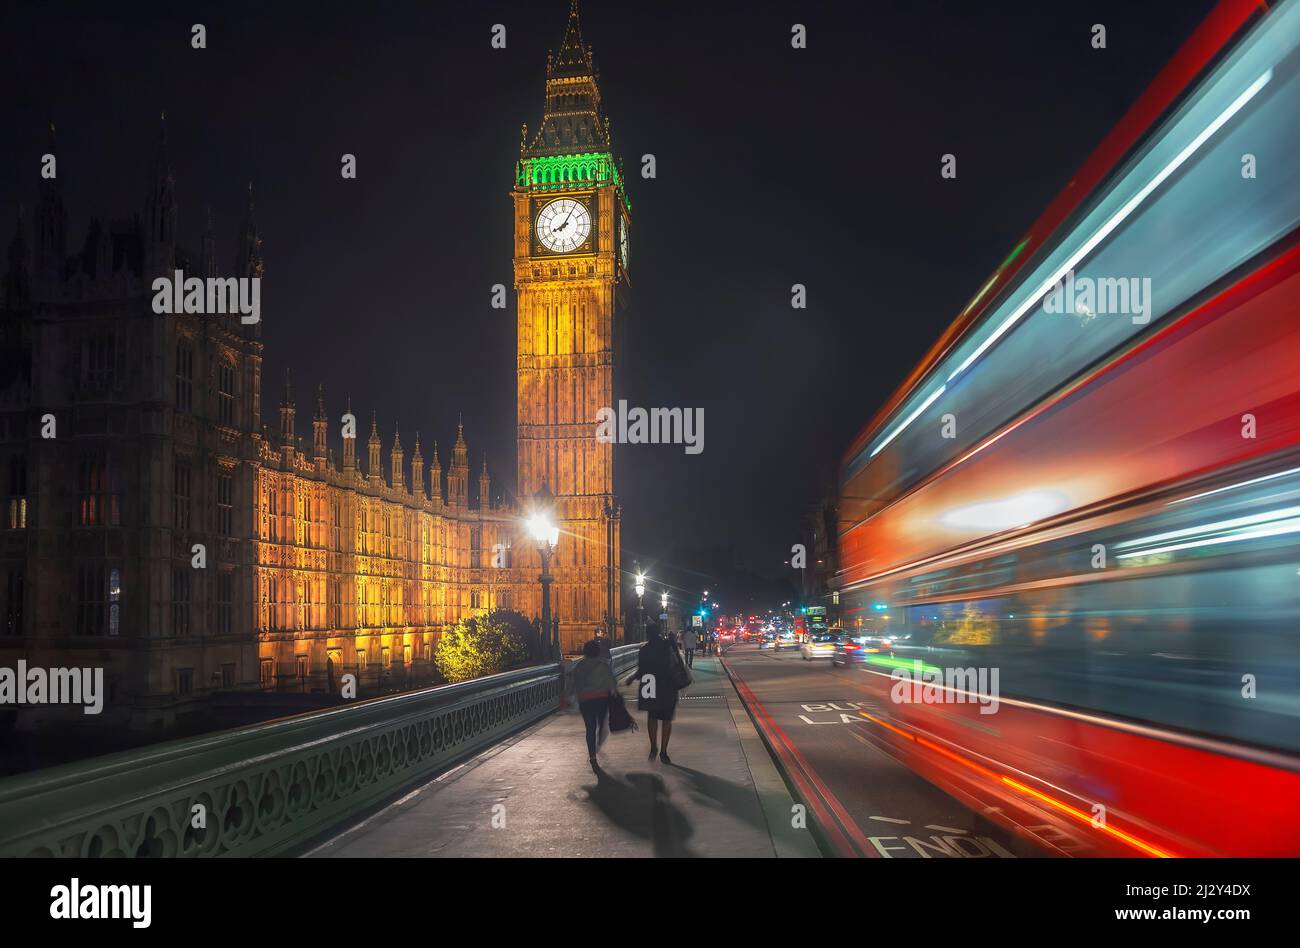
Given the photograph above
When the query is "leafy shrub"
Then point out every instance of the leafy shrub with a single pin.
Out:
(479, 646)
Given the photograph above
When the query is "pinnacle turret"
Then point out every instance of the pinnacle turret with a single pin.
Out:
(372, 469)
(458, 476)
(248, 262)
(320, 429)
(160, 228)
(51, 228)
(484, 487)
(397, 457)
(287, 412)
(435, 476)
(417, 470)
(350, 441)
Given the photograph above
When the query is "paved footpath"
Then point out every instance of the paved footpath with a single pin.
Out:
(535, 794)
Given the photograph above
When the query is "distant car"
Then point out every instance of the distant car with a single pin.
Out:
(818, 646)
(767, 641)
(853, 650)
(781, 641)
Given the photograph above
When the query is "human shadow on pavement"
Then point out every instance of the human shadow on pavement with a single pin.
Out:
(640, 805)
(738, 799)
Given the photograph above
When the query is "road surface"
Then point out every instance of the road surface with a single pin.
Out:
(864, 801)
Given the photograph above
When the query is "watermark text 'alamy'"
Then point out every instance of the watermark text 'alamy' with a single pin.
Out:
(656, 426)
(211, 296)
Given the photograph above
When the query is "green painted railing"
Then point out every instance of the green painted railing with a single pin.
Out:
(266, 789)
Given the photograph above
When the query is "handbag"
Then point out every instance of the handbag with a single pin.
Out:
(677, 671)
(619, 719)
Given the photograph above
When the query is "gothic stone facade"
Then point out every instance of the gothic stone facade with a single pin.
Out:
(357, 573)
(127, 438)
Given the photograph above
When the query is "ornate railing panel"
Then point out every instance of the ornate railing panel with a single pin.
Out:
(265, 789)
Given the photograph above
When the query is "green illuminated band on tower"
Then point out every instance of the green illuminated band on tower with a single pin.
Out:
(553, 172)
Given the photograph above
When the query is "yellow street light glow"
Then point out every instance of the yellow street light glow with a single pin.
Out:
(542, 530)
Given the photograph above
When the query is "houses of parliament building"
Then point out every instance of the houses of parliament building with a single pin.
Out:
(154, 527)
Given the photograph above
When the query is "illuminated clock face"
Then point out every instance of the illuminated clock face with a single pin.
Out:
(622, 240)
(564, 225)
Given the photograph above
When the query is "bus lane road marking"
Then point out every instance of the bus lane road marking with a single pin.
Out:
(947, 842)
(830, 707)
(943, 842)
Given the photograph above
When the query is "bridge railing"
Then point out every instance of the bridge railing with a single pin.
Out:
(623, 658)
(265, 789)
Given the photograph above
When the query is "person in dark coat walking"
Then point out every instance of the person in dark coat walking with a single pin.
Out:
(656, 693)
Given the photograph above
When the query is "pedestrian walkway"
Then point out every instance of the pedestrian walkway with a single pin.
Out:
(536, 795)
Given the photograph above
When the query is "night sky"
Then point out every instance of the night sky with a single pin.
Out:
(775, 166)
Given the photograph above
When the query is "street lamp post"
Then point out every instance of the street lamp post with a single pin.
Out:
(611, 578)
(640, 610)
(547, 536)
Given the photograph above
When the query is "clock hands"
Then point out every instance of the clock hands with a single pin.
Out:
(555, 230)
(566, 221)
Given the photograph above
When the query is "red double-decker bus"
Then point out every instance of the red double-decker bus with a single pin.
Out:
(1104, 508)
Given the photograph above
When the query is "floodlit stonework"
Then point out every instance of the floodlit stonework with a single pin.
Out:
(571, 251)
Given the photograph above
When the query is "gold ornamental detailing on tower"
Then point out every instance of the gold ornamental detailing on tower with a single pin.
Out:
(571, 214)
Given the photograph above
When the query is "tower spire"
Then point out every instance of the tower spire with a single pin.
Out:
(51, 228)
(572, 121)
(373, 447)
(208, 252)
(484, 487)
(319, 429)
(350, 443)
(574, 58)
(160, 233)
(397, 457)
(458, 475)
(287, 412)
(435, 477)
(417, 470)
(249, 261)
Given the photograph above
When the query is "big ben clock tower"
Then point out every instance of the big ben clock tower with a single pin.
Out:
(572, 221)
